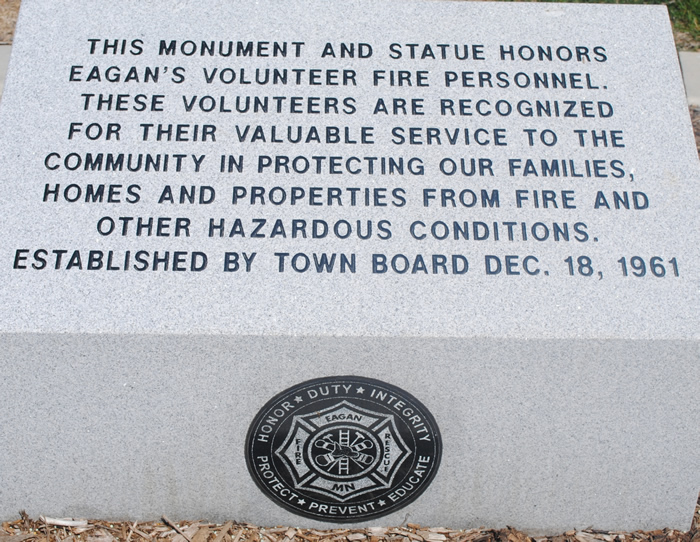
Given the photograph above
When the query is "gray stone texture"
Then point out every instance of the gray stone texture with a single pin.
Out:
(690, 64)
(4, 61)
(563, 400)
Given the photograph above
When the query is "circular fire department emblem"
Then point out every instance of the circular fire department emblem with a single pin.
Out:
(343, 449)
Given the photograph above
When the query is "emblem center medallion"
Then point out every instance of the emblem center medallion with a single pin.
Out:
(343, 448)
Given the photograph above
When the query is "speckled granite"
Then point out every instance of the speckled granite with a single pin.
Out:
(535, 286)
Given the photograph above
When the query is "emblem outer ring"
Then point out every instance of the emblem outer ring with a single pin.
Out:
(313, 449)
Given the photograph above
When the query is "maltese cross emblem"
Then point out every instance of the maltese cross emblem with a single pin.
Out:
(343, 451)
(343, 448)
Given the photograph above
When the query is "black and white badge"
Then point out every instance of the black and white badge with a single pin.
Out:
(343, 448)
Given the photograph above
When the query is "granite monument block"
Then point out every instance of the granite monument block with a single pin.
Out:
(349, 262)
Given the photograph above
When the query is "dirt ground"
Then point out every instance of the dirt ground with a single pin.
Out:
(695, 117)
(685, 42)
(8, 18)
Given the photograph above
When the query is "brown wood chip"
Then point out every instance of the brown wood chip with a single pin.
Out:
(201, 535)
(28, 530)
(223, 532)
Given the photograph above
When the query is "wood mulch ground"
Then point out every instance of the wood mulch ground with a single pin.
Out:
(67, 530)
(8, 18)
